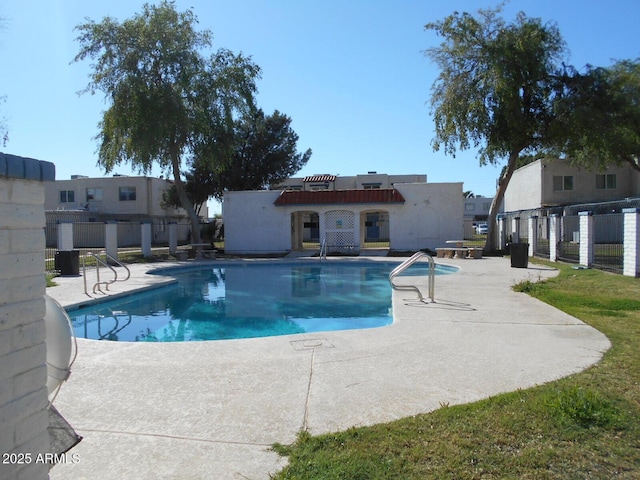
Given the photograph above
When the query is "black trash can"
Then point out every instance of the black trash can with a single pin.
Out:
(68, 262)
(520, 255)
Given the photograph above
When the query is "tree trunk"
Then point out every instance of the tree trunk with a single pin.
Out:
(490, 244)
(632, 162)
(184, 199)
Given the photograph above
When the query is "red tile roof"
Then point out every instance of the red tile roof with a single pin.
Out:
(330, 197)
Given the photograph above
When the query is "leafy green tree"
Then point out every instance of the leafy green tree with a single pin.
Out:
(167, 102)
(263, 153)
(598, 115)
(197, 186)
(495, 89)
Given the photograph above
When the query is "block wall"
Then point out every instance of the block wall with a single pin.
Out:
(586, 238)
(23, 372)
(631, 266)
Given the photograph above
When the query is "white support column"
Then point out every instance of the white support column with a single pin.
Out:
(357, 242)
(554, 236)
(586, 238)
(515, 230)
(24, 416)
(631, 248)
(146, 239)
(501, 233)
(533, 235)
(111, 239)
(173, 238)
(65, 237)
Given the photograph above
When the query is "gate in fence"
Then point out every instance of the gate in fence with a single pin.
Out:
(569, 245)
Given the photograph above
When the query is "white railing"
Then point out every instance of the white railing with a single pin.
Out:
(323, 250)
(100, 262)
(406, 264)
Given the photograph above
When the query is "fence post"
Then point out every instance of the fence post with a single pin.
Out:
(554, 236)
(145, 239)
(631, 248)
(501, 232)
(65, 237)
(515, 230)
(586, 238)
(111, 239)
(173, 238)
(533, 235)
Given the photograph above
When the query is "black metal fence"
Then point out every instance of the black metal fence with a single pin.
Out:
(542, 244)
(608, 236)
(569, 243)
(90, 236)
(607, 232)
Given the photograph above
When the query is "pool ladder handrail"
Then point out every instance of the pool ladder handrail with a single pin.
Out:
(99, 262)
(406, 264)
(323, 250)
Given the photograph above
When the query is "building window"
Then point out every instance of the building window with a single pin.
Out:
(486, 207)
(371, 186)
(319, 186)
(127, 194)
(67, 196)
(606, 181)
(469, 207)
(562, 183)
(94, 194)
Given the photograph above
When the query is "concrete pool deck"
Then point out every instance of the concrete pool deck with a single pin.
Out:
(213, 409)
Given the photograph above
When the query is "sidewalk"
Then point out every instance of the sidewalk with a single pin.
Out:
(212, 409)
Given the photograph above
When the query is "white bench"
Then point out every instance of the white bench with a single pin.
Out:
(198, 248)
(209, 254)
(181, 255)
(452, 252)
(464, 252)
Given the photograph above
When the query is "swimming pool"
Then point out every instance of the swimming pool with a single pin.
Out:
(249, 300)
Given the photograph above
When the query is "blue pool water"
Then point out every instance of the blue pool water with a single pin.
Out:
(248, 300)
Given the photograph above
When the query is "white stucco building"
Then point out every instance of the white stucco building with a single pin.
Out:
(347, 213)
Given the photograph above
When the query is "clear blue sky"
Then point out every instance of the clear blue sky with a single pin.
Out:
(350, 73)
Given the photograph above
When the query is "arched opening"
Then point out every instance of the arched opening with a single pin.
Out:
(374, 226)
(305, 230)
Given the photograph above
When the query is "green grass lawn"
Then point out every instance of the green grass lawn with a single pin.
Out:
(586, 426)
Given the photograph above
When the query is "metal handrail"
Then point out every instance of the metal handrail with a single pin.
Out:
(120, 264)
(99, 261)
(406, 264)
(323, 250)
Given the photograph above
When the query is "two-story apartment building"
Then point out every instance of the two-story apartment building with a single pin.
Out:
(555, 182)
(128, 200)
(118, 197)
